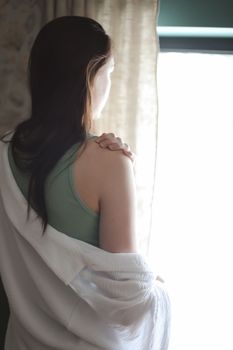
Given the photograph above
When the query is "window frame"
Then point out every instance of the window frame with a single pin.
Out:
(195, 44)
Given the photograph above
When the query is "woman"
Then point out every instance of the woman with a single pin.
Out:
(84, 198)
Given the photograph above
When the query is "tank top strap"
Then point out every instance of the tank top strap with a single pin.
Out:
(69, 157)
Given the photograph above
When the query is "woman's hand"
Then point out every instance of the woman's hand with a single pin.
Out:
(159, 279)
(114, 143)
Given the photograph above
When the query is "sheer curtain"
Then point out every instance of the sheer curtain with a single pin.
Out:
(131, 111)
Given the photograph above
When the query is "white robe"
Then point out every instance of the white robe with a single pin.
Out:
(66, 294)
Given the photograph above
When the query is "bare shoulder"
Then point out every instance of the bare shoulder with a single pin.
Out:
(97, 171)
(117, 198)
(105, 180)
(108, 162)
(104, 159)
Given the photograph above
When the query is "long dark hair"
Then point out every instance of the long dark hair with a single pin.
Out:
(64, 59)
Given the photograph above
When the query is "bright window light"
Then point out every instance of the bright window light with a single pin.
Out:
(192, 242)
(195, 32)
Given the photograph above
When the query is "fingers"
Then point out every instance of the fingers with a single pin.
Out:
(130, 154)
(159, 279)
(119, 145)
(110, 139)
(126, 147)
(105, 140)
(114, 143)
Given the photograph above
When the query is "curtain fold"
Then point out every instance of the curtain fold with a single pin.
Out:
(131, 111)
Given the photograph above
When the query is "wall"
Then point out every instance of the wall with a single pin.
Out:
(196, 13)
(20, 21)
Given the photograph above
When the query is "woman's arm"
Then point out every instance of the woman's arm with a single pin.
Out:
(117, 198)
(120, 243)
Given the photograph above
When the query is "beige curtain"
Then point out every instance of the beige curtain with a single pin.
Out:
(131, 111)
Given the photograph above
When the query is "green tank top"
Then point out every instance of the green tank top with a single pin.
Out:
(66, 210)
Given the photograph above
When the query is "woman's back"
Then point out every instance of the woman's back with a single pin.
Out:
(67, 212)
(76, 187)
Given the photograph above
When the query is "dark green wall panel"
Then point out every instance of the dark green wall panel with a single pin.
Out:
(196, 13)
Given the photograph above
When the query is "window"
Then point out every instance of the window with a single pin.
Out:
(196, 25)
(192, 223)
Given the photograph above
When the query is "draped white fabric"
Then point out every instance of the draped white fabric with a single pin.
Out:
(86, 297)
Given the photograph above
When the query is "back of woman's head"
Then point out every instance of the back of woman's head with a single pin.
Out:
(64, 59)
(65, 56)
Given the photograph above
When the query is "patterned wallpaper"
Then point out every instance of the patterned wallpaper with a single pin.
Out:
(20, 22)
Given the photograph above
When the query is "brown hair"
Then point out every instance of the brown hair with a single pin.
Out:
(64, 59)
(92, 68)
